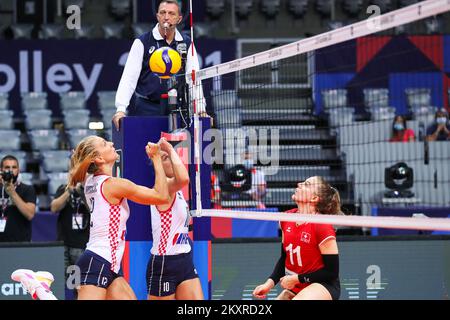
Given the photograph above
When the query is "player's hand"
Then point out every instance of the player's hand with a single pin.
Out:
(152, 150)
(165, 145)
(116, 117)
(289, 282)
(261, 291)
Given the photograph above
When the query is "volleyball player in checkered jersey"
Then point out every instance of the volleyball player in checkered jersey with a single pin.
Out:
(309, 264)
(92, 164)
(170, 270)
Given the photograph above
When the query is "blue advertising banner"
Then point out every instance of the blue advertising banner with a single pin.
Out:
(56, 66)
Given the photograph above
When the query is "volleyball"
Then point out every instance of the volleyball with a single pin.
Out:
(165, 62)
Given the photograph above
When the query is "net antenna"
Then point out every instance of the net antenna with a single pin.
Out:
(379, 23)
(198, 193)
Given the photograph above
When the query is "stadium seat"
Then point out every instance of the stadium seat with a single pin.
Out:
(51, 31)
(84, 32)
(38, 119)
(298, 8)
(334, 98)
(202, 30)
(55, 179)
(72, 100)
(324, 7)
(215, 8)
(383, 113)
(44, 139)
(4, 100)
(243, 8)
(76, 135)
(384, 5)
(10, 140)
(76, 118)
(107, 115)
(26, 178)
(225, 103)
(352, 7)
(376, 98)
(434, 25)
(418, 97)
(113, 30)
(405, 3)
(340, 116)
(425, 114)
(22, 31)
(79, 3)
(20, 155)
(106, 99)
(270, 8)
(141, 28)
(7, 119)
(55, 160)
(120, 8)
(34, 100)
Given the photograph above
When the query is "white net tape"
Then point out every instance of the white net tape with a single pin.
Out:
(414, 223)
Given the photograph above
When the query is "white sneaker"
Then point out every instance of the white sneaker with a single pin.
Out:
(31, 280)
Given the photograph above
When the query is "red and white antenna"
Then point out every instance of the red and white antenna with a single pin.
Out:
(196, 124)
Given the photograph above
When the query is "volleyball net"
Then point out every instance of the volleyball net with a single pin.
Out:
(325, 106)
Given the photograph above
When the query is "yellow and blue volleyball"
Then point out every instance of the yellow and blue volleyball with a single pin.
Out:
(165, 62)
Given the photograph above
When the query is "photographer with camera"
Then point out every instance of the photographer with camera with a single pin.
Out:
(73, 221)
(17, 203)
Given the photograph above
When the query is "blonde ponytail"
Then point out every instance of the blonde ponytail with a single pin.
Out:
(82, 161)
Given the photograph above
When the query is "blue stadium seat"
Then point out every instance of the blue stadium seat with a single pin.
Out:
(7, 119)
(76, 118)
(76, 135)
(352, 7)
(4, 100)
(141, 28)
(44, 139)
(113, 30)
(55, 179)
(215, 8)
(10, 140)
(72, 100)
(324, 7)
(243, 8)
(34, 100)
(55, 160)
(51, 31)
(106, 100)
(270, 8)
(298, 7)
(120, 8)
(38, 119)
(22, 31)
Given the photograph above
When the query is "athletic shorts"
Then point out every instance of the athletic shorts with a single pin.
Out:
(165, 273)
(95, 270)
(333, 287)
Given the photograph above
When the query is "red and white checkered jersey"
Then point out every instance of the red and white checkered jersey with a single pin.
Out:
(170, 228)
(108, 222)
(301, 243)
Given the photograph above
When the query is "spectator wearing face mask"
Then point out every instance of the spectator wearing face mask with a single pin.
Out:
(400, 131)
(440, 130)
(258, 190)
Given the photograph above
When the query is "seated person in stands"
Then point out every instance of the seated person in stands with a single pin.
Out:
(440, 129)
(400, 131)
(258, 190)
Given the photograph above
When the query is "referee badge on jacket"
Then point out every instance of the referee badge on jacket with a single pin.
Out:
(152, 48)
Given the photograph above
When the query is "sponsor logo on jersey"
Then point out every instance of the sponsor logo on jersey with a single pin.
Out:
(180, 238)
